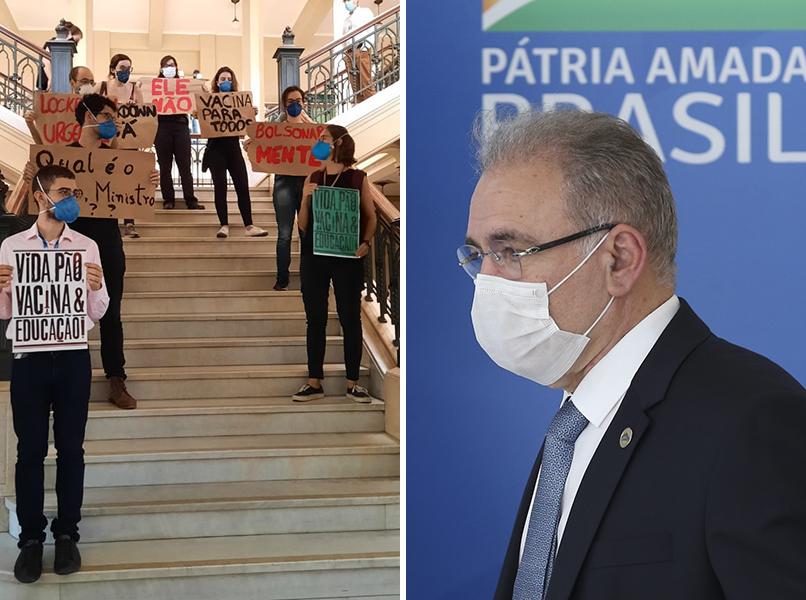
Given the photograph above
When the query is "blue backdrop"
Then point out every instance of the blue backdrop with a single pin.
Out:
(726, 109)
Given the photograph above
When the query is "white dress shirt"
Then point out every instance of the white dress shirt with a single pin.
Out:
(599, 396)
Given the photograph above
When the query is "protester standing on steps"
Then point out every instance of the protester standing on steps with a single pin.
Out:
(173, 143)
(94, 115)
(287, 193)
(358, 56)
(224, 154)
(57, 379)
(336, 149)
(121, 90)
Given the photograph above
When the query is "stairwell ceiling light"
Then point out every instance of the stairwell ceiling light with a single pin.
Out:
(235, 22)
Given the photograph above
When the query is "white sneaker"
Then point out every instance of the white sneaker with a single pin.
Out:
(223, 232)
(255, 232)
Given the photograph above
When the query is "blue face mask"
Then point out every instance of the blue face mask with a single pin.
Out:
(294, 109)
(321, 150)
(123, 76)
(225, 86)
(350, 6)
(67, 210)
(108, 130)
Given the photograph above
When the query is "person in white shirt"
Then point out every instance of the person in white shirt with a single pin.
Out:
(674, 467)
(358, 55)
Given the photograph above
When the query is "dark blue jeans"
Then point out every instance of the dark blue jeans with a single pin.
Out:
(39, 381)
(287, 199)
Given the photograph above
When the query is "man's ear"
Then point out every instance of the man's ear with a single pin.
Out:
(627, 259)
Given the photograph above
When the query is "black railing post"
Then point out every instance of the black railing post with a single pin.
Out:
(287, 57)
(61, 60)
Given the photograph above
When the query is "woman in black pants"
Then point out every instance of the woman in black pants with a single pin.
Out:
(347, 274)
(224, 154)
(173, 142)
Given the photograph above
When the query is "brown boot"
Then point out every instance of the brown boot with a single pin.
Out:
(118, 394)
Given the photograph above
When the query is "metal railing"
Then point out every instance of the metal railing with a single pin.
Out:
(334, 78)
(20, 65)
(382, 267)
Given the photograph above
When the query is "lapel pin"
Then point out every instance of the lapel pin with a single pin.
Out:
(626, 437)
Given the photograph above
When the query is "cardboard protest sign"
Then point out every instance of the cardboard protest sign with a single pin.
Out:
(284, 148)
(49, 300)
(140, 125)
(172, 96)
(336, 221)
(111, 183)
(224, 113)
(55, 117)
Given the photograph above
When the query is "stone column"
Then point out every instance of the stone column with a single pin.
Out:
(252, 50)
(287, 57)
(61, 59)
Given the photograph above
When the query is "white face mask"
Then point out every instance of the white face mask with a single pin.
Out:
(169, 72)
(513, 326)
(86, 89)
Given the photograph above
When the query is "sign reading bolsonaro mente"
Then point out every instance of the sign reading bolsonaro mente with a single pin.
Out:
(335, 221)
(224, 113)
(49, 300)
(284, 148)
(111, 183)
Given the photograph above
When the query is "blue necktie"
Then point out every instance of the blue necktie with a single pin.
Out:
(534, 572)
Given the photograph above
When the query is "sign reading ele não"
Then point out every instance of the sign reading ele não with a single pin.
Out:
(111, 183)
(172, 96)
(336, 221)
(284, 148)
(49, 300)
(224, 113)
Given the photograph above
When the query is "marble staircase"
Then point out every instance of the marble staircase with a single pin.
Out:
(218, 486)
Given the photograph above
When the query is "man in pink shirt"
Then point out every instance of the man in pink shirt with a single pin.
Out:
(53, 379)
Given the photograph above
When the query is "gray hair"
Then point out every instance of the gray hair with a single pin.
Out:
(610, 174)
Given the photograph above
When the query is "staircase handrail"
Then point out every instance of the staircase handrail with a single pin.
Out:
(20, 40)
(342, 40)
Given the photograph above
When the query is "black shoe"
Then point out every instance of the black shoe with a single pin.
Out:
(195, 205)
(358, 394)
(280, 286)
(168, 205)
(68, 558)
(307, 392)
(28, 567)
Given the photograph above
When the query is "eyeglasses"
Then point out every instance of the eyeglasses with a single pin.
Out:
(507, 259)
(124, 70)
(291, 101)
(63, 193)
(86, 82)
(104, 117)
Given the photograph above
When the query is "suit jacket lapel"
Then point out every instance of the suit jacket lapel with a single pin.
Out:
(685, 332)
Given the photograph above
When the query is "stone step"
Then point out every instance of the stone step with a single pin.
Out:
(137, 262)
(157, 512)
(138, 303)
(232, 416)
(180, 383)
(212, 245)
(138, 327)
(362, 564)
(205, 281)
(150, 231)
(208, 193)
(262, 216)
(211, 352)
(159, 461)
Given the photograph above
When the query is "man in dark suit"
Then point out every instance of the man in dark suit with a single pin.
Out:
(676, 467)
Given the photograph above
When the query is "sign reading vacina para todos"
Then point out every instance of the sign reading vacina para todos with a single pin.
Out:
(49, 300)
(335, 221)
(284, 148)
(224, 113)
(110, 183)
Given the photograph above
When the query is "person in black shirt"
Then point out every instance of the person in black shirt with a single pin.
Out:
(173, 142)
(91, 114)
